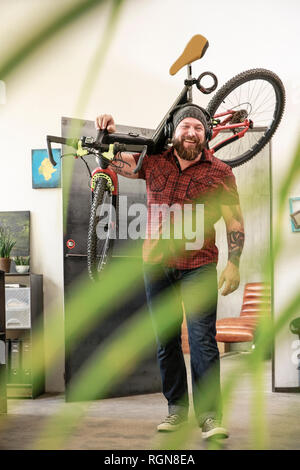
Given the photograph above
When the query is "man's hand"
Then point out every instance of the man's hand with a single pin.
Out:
(105, 121)
(123, 163)
(231, 277)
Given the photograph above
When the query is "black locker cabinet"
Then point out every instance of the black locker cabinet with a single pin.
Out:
(146, 377)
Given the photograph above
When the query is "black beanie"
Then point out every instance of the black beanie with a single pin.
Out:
(192, 111)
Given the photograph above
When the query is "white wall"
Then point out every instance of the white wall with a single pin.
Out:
(135, 87)
(253, 182)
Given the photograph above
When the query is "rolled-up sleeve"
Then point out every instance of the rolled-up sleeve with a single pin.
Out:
(229, 194)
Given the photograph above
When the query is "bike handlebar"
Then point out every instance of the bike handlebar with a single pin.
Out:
(59, 140)
(140, 161)
(102, 142)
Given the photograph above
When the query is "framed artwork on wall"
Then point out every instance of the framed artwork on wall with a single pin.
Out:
(44, 175)
(18, 223)
(295, 213)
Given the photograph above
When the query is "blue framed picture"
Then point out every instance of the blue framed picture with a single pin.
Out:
(44, 175)
(295, 213)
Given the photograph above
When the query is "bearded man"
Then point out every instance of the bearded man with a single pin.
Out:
(187, 174)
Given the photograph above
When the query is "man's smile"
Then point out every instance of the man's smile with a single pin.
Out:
(190, 141)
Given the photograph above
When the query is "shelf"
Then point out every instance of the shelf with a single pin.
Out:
(17, 274)
(19, 391)
(19, 328)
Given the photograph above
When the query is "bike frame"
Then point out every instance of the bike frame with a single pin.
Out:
(224, 126)
(158, 139)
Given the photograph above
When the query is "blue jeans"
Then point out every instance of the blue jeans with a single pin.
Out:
(197, 289)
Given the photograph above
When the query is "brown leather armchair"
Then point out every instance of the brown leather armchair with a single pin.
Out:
(256, 303)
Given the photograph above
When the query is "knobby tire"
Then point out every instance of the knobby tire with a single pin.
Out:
(98, 257)
(233, 84)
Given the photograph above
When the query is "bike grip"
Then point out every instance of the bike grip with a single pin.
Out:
(141, 158)
(100, 134)
(50, 154)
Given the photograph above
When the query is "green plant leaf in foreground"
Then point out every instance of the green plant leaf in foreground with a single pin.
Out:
(24, 47)
(121, 353)
(89, 83)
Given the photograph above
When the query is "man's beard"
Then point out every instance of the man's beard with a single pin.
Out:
(189, 153)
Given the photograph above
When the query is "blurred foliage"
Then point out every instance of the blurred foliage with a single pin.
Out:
(90, 302)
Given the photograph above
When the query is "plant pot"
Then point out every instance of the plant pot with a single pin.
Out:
(5, 264)
(21, 269)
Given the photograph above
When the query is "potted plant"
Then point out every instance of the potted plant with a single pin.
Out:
(6, 245)
(22, 264)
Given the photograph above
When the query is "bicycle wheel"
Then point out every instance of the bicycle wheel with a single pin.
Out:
(260, 95)
(102, 229)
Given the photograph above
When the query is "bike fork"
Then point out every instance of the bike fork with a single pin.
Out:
(108, 175)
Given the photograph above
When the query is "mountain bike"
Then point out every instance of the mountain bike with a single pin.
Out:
(242, 117)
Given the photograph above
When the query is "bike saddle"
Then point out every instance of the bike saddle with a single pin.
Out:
(194, 50)
(295, 326)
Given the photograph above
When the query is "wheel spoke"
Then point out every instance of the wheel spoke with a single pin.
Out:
(261, 94)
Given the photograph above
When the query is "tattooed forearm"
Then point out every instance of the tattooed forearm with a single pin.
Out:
(123, 164)
(235, 232)
(235, 241)
(118, 162)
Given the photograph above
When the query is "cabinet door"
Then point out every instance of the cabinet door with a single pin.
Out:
(3, 358)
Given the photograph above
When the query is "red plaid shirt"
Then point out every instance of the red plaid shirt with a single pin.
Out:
(209, 182)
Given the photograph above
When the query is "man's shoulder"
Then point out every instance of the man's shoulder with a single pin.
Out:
(219, 166)
(164, 156)
(165, 153)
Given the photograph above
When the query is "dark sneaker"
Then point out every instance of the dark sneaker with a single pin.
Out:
(213, 429)
(171, 423)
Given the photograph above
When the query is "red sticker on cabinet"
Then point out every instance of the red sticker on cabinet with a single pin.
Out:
(70, 244)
